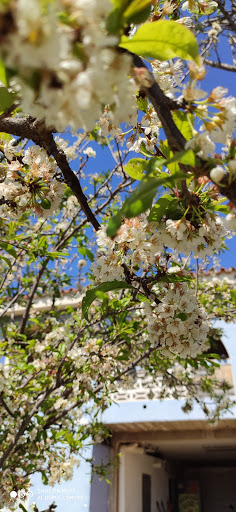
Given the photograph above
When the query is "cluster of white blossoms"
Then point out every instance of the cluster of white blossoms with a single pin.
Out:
(30, 184)
(203, 239)
(136, 244)
(61, 470)
(217, 127)
(168, 75)
(177, 325)
(149, 126)
(139, 243)
(67, 69)
(196, 6)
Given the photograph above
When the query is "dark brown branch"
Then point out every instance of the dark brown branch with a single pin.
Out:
(227, 15)
(174, 136)
(35, 130)
(6, 407)
(162, 107)
(70, 179)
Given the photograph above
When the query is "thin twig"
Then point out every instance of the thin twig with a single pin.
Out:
(220, 65)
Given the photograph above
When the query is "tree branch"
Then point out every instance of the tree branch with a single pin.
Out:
(6, 406)
(23, 426)
(174, 136)
(162, 107)
(35, 130)
(129, 367)
(227, 15)
(220, 65)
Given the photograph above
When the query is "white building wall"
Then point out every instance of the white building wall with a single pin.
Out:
(133, 465)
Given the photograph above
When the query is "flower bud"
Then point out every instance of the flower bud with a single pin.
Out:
(232, 166)
(217, 174)
(230, 221)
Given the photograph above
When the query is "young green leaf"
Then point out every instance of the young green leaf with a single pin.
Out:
(138, 11)
(166, 205)
(141, 199)
(8, 248)
(186, 157)
(46, 204)
(162, 40)
(233, 295)
(7, 261)
(3, 75)
(6, 99)
(184, 122)
(84, 251)
(91, 295)
(114, 224)
(135, 168)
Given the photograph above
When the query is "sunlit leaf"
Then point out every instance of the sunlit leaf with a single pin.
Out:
(184, 122)
(233, 295)
(167, 205)
(3, 75)
(135, 168)
(8, 248)
(162, 40)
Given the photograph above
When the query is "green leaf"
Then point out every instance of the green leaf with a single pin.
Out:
(183, 316)
(57, 254)
(144, 150)
(86, 252)
(174, 278)
(6, 99)
(7, 261)
(115, 20)
(8, 248)
(121, 4)
(5, 137)
(142, 104)
(183, 122)
(233, 295)
(135, 168)
(91, 295)
(222, 208)
(22, 507)
(162, 40)
(46, 204)
(166, 205)
(3, 75)
(44, 478)
(141, 199)
(138, 11)
(186, 157)
(114, 224)
(43, 241)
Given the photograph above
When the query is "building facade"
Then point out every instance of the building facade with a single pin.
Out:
(169, 461)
